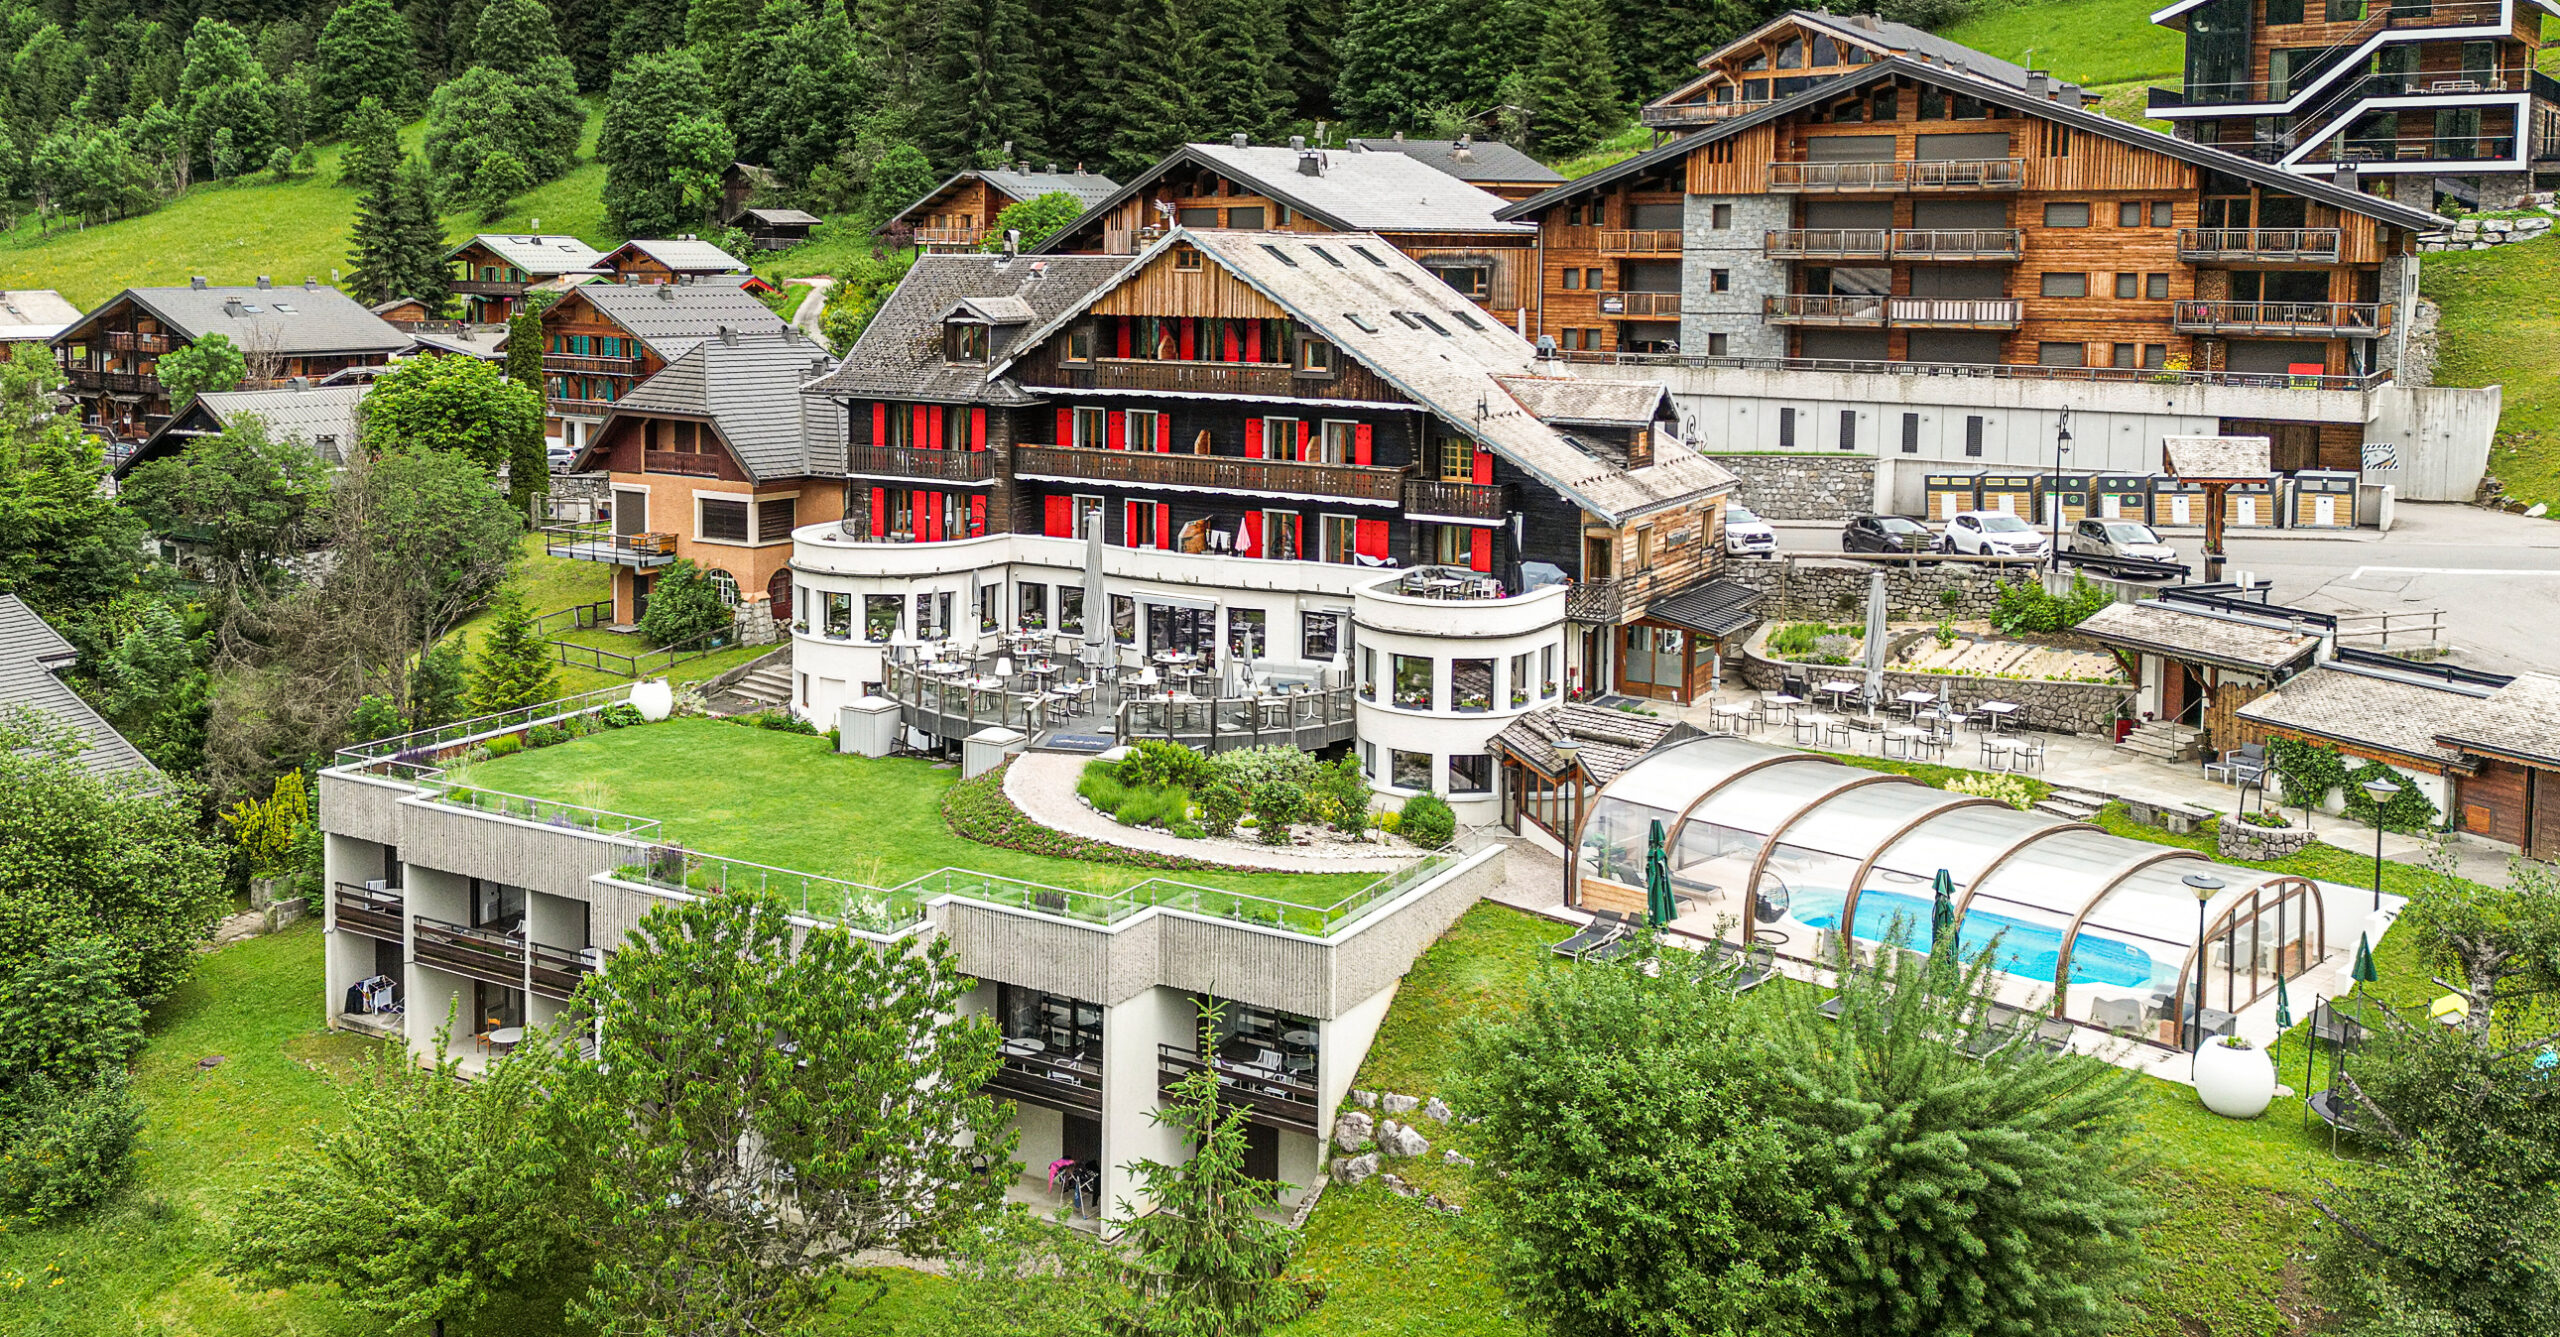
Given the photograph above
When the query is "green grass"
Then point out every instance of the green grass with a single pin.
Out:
(550, 584)
(786, 800)
(1619, 147)
(2501, 328)
(2088, 42)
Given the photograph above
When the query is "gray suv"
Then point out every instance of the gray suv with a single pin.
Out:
(2119, 538)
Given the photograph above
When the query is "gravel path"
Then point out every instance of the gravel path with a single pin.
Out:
(1043, 785)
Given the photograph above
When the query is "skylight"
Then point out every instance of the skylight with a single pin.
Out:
(1464, 319)
(1364, 253)
(1328, 256)
(1367, 326)
(1407, 317)
(1429, 324)
(1279, 255)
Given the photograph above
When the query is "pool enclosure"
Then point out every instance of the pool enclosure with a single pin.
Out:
(1790, 849)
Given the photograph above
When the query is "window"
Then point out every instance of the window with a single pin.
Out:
(1339, 442)
(1088, 514)
(1368, 674)
(2062, 355)
(1572, 341)
(1572, 279)
(1185, 258)
(1124, 620)
(1720, 217)
(774, 519)
(1911, 434)
(1138, 526)
(2128, 286)
(1465, 319)
(1519, 686)
(1547, 672)
(990, 607)
(1247, 217)
(1791, 54)
(839, 616)
(1327, 256)
(1471, 686)
(2057, 140)
(933, 615)
(1591, 278)
(1470, 773)
(965, 341)
(1413, 682)
(1275, 252)
(1319, 635)
(2162, 212)
(2284, 11)
(1848, 429)
(1719, 280)
(2124, 355)
(1080, 344)
(1973, 436)
(1786, 428)
(1146, 431)
(1428, 323)
(2129, 214)
(2155, 287)
(2066, 215)
(1361, 322)
(1472, 280)
(1719, 344)
(1411, 770)
(1244, 633)
(1337, 539)
(1315, 357)
(723, 521)
(881, 614)
(1031, 604)
(2155, 356)
(1368, 759)
(1280, 535)
(1371, 256)
(2066, 285)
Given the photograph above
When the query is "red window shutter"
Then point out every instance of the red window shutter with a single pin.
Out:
(1303, 427)
(1363, 438)
(1253, 341)
(1164, 433)
(1058, 517)
(1253, 438)
(1252, 545)
(917, 427)
(977, 429)
(1484, 465)
(929, 506)
(1123, 344)
(879, 512)
(1227, 328)
(933, 427)
(879, 423)
(1369, 539)
(1190, 337)
(1066, 428)
(1164, 525)
(1298, 535)
(1119, 429)
(1480, 551)
(977, 515)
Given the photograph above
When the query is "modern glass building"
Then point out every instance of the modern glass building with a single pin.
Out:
(1790, 849)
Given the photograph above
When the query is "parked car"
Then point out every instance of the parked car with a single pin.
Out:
(1746, 534)
(1887, 533)
(1993, 534)
(2119, 538)
(561, 457)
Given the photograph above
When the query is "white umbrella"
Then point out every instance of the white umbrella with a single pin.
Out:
(1875, 640)
(1097, 603)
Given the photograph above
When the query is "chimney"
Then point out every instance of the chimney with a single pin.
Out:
(2343, 176)
(1465, 150)
(1006, 152)
(264, 282)
(1399, 136)
(666, 292)
(2038, 82)
(728, 336)
(310, 284)
(1053, 169)
(1867, 21)
(1236, 140)
(298, 383)
(197, 283)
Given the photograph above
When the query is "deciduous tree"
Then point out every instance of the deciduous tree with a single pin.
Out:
(460, 405)
(252, 498)
(660, 127)
(1037, 219)
(66, 547)
(364, 50)
(210, 364)
(223, 90)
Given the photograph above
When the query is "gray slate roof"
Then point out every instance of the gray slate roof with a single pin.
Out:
(1611, 740)
(1353, 192)
(540, 255)
(784, 216)
(31, 654)
(2520, 720)
(1603, 403)
(685, 255)
(1088, 187)
(2344, 705)
(1872, 30)
(2218, 457)
(1716, 607)
(672, 317)
(749, 387)
(485, 342)
(291, 320)
(323, 417)
(1480, 159)
(32, 315)
(2200, 637)
(899, 355)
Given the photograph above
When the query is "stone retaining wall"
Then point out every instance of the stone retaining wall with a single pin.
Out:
(1804, 487)
(2051, 707)
(1812, 589)
(2479, 234)
(2236, 839)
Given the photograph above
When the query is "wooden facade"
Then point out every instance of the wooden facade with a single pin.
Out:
(111, 361)
(665, 467)
(588, 361)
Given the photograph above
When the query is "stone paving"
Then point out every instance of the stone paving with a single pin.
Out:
(1043, 785)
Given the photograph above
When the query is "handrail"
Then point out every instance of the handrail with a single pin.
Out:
(440, 736)
(2027, 371)
(2208, 242)
(1824, 242)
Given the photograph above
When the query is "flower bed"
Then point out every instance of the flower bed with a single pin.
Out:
(978, 809)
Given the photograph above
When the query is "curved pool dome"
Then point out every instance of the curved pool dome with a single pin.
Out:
(2097, 928)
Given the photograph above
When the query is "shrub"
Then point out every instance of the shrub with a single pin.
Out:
(835, 740)
(2408, 810)
(1220, 809)
(684, 606)
(2009, 789)
(780, 721)
(1100, 785)
(2028, 608)
(1341, 797)
(1158, 761)
(507, 746)
(545, 735)
(1427, 821)
(1276, 803)
(1154, 805)
(1249, 768)
(2266, 817)
(69, 1146)
(977, 809)
(620, 715)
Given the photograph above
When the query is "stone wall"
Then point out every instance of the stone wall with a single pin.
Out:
(1804, 487)
(1812, 588)
(2236, 839)
(2479, 234)
(2051, 707)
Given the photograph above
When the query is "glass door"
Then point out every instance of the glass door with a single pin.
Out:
(1190, 630)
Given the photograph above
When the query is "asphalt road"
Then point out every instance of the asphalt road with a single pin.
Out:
(2496, 577)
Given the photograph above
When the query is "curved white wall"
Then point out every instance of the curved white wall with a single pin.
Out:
(1520, 638)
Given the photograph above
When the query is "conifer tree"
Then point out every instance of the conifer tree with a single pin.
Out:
(223, 88)
(514, 668)
(1573, 90)
(986, 70)
(898, 35)
(1659, 41)
(398, 244)
(1312, 28)
(1393, 60)
(512, 35)
(1243, 87)
(827, 90)
(661, 128)
(372, 156)
(365, 50)
(1154, 102)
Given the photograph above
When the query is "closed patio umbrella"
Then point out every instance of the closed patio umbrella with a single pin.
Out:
(1097, 602)
(2363, 972)
(2284, 1022)
(1659, 908)
(1942, 914)
(1875, 640)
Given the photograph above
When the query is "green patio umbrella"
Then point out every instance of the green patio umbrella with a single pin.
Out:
(2284, 1022)
(1942, 913)
(2364, 973)
(1658, 906)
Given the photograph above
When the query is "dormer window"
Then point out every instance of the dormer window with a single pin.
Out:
(1185, 257)
(1315, 357)
(965, 341)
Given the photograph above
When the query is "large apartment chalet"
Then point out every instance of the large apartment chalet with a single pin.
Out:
(1447, 223)
(112, 354)
(956, 215)
(1299, 449)
(494, 270)
(601, 339)
(652, 260)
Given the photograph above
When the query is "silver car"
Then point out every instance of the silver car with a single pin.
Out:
(2119, 538)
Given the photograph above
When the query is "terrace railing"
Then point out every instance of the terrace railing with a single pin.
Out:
(2015, 371)
(419, 749)
(373, 912)
(482, 954)
(556, 971)
(1053, 1082)
(1266, 1097)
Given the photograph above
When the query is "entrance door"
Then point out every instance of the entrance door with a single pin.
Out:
(1653, 662)
(778, 590)
(1080, 1139)
(2182, 695)
(1262, 1152)
(640, 583)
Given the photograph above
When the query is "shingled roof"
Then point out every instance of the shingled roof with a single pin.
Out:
(1348, 192)
(2200, 637)
(2369, 710)
(540, 255)
(684, 255)
(323, 417)
(31, 654)
(2520, 721)
(672, 317)
(900, 353)
(1611, 740)
(1468, 160)
(292, 321)
(1587, 403)
(748, 386)
(32, 315)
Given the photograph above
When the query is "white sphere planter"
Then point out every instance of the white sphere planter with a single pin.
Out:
(2234, 1083)
(654, 699)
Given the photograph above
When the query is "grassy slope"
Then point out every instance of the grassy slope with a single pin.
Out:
(2500, 328)
(2093, 43)
(550, 584)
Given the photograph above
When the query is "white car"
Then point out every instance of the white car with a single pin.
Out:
(1747, 535)
(1993, 534)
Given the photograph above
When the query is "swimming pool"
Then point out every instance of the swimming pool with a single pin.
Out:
(2029, 950)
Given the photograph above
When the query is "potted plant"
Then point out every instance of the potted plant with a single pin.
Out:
(2234, 1078)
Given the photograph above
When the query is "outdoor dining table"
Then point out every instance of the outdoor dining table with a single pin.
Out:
(1736, 714)
(1915, 699)
(505, 1038)
(1840, 690)
(1909, 736)
(1782, 701)
(1995, 753)
(1810, 726)
(2000, 712)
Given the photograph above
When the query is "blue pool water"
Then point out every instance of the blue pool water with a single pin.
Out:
(2029, 950)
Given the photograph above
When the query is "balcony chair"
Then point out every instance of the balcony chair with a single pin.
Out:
(488, 1024)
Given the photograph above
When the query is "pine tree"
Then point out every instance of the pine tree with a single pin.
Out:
(713, 29)
(1659, 41)
(1574, 88)
(986, 69)
(365, 50)
(372, 156)
(1393, 60)
(1243, 87)
(826, 93)
(1154, 105)
(398, 243)
(898, 35)
(1313, 27)
(514, 667)
(659, 122)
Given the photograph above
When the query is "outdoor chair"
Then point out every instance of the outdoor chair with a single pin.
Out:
(2120, 1015)
(1757, 969)
(2027, 755)
(2249, 764)
(1606, 927)
(2053, 1035)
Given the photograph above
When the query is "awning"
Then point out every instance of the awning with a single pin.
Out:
(1176, 601)
(1710, 608)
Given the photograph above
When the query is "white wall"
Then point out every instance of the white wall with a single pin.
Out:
(2438, 438)
(1130, 1033)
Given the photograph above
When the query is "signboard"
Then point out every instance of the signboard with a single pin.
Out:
(1615, 304)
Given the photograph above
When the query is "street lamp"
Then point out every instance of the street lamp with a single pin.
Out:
(2053, 495)
(2203, 885)
(2381, 791)
(1568, 750)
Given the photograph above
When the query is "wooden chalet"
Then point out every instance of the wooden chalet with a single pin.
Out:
(30, 317)
(112, 354)
(777, 229)
(956, 215)
(492, 271)
(602, 339)
(1804, 47)
(2511, 793)
(663, 261)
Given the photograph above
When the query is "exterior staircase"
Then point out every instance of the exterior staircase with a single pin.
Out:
(2166, 740)
(768, 685)
(2079, 805)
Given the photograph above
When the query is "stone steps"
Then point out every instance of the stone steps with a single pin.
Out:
(770, 686)
(2165, 741)
(2079, 805)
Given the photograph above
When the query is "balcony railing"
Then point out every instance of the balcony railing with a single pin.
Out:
(597, 543)
(1425, 497)
(691, 463)
(557, 970)
(2354, 319)
(131, 341)
(948, 238)
(2380, 14)
(2240, 243)
(1053, 1083)
(1215, 378)
(577, 408)
(1641, 241)
(1130, 240)
(576, 364)
(2001, 371)
(114, 382)
(1968, 313)
(1682, 114)
(475, 953)
(488, 288)
(938, 466)
(1640, 304)
(1607, 599)
(1857, 243)
(1798, 308)
(1900, 174)
(373, 912)
(2457, 148)
(1221, 473)
(1265, 1096)
(1990, 243)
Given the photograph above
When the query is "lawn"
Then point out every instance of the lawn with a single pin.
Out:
(2500, 328)
(550, 584)
(2088, 42)
(789, 801)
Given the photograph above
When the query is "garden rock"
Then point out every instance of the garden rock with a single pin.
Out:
(1367, 1100)
(1397, 1186)
(1436, 1109)
(1440, 1204)
(1456, 1158)
(1351, 1128)
(1355, 1169)
(1398, 1140)
(1396, 1104)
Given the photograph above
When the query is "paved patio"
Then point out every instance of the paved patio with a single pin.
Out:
(1043, 785)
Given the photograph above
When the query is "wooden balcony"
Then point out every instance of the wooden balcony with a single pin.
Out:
(2313, 319)
(1953, 313)
(948, 238)
(690, 463)
(1798, 308)
(1266, 1098)
(573, 364)
(933, 466)
(367, 911)
(1425, 498)
(1995, 243)
(596, 543)
(114, 382)
(2280, 245)
(1898, 175)
(482, 954)
(1050, 1083)
(1195, 378)
(1639, 305)
(557, 970)
(1217, 473)
(131, 341)
(1641, 241)
(1682, 115)
(1857, 243)
(1607, 600)
(487, 288)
